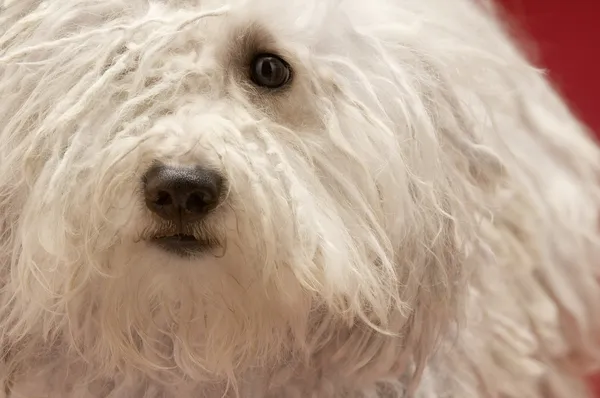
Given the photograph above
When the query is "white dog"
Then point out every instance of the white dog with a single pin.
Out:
(289, 199)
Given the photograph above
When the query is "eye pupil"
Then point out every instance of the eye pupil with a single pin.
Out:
(267, 69)
(270, 71)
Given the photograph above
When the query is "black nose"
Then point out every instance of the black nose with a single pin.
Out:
(181, 194)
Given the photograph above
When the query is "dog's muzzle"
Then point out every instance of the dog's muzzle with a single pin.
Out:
(183, 197)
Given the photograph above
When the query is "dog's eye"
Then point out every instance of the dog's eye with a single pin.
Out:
(269, 71)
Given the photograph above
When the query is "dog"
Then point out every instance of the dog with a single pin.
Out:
(290, 199)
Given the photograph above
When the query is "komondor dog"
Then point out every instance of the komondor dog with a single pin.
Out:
(289, 199)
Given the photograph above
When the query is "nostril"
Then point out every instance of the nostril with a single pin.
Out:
(163, 199)
(199, 201)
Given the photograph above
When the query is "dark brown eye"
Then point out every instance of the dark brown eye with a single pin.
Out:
(269, 71)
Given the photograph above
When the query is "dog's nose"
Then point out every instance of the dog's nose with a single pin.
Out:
(181, 194)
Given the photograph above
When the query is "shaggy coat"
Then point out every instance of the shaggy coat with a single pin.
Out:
(415, 213)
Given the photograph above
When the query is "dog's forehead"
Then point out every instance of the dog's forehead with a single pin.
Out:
(291, 21)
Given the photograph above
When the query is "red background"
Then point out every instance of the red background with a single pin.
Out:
(566, 37)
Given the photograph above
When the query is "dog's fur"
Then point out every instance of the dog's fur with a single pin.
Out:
(416, 214)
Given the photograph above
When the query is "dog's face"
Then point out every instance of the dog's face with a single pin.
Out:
(206, 184)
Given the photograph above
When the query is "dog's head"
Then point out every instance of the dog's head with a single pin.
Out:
(216, 185)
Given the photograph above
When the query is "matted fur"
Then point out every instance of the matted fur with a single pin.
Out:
(416, 214)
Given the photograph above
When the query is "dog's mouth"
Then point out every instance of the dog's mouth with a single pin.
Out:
(182, 244)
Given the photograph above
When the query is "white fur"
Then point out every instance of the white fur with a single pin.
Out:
(416, 214)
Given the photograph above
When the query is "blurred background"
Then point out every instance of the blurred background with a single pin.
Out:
(565, 36)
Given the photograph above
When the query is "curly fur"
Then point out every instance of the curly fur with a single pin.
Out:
(416, 214)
